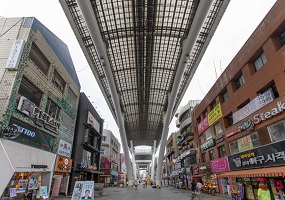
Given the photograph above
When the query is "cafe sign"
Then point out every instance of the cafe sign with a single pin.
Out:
(210, 143)
(258, 118)
(265, 156)
(43, 119)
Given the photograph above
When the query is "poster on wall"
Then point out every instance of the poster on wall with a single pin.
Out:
(12, 192)
(33, 183)
(245, 143)
(87, 192)
(43, 191)
(22, 186)
(78, 188)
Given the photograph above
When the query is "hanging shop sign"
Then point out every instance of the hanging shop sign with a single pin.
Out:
(196, 169)
(93, 122)
(15, 55)
(257, 103)
(210, 143)
(42, 119)
(25, 134)
(203, 125)
(64, 148)
(258, 118)
(215, 114)
(269, 155)
(220, 165)
(63, 164)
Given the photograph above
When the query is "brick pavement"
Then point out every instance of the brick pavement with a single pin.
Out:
(165, 193)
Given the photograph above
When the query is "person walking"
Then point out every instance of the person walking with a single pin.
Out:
(193, 188)
(263, 193)
(199, 188)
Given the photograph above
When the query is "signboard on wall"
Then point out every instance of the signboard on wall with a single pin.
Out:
(203, 125)
(220, 165)
(269, 155)
(215, 114)
(15, 55)
(245, 143)
(63, 164)
(64, 148)
(93, 122)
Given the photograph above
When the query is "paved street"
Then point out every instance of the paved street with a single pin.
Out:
(165, 193)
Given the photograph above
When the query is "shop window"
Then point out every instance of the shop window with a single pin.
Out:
(234, 147)
(58, 81)
(245, 143)
(260, 61)
(229, 120)
(243, 104)
(218, 128)
(222, 151)
(86, 157)
(277, 131)
(104, 138)
(204, 159)
(255, 140)
(202, 139)
(30, 91)
(225, 96)
(39, 59)
(214, 104)
(53, 109)
(212, 154)
(239, 81)
(71, 97)
(208, 134)
(282, 38)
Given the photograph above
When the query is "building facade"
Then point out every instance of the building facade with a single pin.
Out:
(38, 107)
(87, 143)
(240, 123)
(110, 159)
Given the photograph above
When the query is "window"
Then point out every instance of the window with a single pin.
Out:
(53, 109)
(218, 128)
(270, 86)
(202, 139)
(30, 91)
(234, 147)
(222, 151)
(39, 58)
(208, 134)
(104, 138)
(204, 159)
(243, 104)
(225, 96)
(212, 154)
(245, 143)
(229, 120)
(103, 165)
(58, 81)
(239, 82)
(282, 38)
(86, 157)
(260, 61)
(277, 131)
(71, 97)
(214, 104)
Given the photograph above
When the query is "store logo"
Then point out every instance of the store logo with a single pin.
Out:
(11, 132)
(237, 162)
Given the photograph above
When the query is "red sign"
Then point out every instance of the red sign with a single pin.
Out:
(203, 125)
(56, 185)
(196, 169)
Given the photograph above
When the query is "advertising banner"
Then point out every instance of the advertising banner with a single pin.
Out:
(87, 192)
(215, 114)
(77, 190)
(203, 125)
(33, 183)
(220, 165)
(269, 155)
(22, 186)
(245, 143)
(257, 103)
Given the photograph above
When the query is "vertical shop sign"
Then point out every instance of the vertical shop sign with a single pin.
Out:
(56, 185)
(203, 125)
(15, 55)
(93, 122)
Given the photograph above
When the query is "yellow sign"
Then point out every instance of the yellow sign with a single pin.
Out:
(215, 114)
(245, 143)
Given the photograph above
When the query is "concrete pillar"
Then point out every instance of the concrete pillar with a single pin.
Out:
(153, 160)
(133, 161)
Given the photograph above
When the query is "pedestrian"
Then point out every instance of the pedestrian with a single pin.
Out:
(199, 188)
(193, 188)
(263, 193)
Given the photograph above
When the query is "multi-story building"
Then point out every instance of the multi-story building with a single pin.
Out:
(186, 145)
(87, 143)
(170, 173)
(38, 107)
(110, 158)
(240, 122)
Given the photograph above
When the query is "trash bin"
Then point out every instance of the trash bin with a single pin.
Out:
(98, 189)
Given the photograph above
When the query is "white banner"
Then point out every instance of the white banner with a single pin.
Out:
(93, 122)
(64, 148)
(257, 103)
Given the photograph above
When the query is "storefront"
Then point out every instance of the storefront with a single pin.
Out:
(27, 169)
(61, 176)
(219, 166)
(264, 164)
(105, 177)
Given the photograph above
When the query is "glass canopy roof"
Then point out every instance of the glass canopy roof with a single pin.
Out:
(144, 46)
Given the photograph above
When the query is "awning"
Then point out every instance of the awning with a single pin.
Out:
(260, 172)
